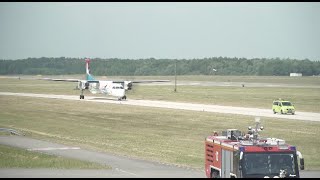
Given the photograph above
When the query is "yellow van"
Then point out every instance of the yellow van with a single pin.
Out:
(283, 107)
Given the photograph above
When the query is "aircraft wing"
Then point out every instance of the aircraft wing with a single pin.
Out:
(68, 80)
(144, 81)
(150, 81)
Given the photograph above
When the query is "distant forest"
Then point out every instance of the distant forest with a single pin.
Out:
(161, 67)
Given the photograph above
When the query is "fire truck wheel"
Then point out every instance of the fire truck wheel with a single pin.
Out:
(214, 174)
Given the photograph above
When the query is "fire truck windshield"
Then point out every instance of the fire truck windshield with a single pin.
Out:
(268, 164)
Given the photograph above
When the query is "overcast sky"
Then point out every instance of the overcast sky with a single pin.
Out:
(177, 30)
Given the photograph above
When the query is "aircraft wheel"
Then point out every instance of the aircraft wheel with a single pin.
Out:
(124, 97)
(281, 112)
(81, 96)
(274, 111)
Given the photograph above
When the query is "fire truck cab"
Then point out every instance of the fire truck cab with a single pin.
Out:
(236, 155)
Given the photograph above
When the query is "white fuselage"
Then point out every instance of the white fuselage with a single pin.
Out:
(107, 88)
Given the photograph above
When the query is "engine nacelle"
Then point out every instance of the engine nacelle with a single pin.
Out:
(83, 85)
(128, 85)
(86, 85)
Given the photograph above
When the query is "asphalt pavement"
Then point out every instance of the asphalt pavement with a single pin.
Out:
(121, 166)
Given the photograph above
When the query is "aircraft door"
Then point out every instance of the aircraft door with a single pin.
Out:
(83, 85)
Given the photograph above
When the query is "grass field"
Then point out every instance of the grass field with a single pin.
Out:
(169, 136)
(19, 158)
(304, 80)
(304, 99)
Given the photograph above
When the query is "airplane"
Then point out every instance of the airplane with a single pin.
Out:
(112, 88)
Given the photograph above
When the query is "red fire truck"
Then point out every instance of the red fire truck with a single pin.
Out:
(237, 155)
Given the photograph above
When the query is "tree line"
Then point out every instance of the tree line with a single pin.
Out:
(161, 67)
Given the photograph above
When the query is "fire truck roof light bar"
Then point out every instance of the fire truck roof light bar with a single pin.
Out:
(242, 148)
(292, 148)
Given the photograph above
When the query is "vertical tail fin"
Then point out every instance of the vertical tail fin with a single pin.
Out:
(88, 75)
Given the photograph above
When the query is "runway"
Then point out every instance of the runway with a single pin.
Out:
(305, 116)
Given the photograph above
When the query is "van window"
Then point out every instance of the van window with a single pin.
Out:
(286, 103)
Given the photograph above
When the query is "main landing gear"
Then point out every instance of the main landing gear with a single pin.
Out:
(123, 97)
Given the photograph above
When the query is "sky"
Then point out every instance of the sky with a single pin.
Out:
(171, 30)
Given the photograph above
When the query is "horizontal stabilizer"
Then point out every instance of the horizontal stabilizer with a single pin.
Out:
(92, 81)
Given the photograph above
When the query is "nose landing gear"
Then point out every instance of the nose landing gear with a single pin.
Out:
(81, 95)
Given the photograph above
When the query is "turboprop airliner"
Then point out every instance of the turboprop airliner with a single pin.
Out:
(112, 88)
